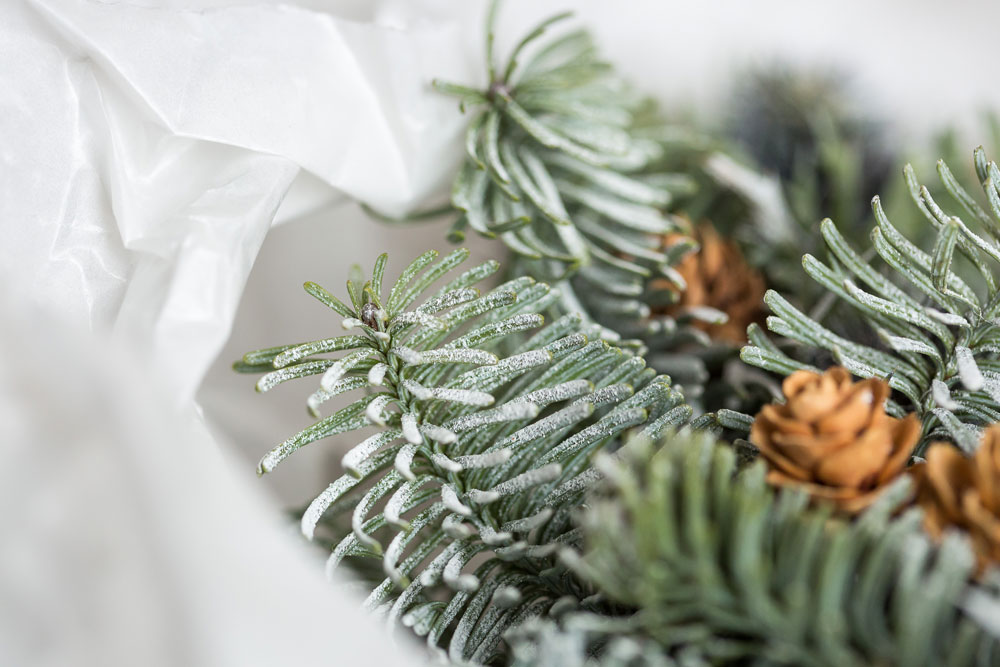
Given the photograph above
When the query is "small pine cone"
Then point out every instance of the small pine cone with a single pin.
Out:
(718, 276)
(833, 438)
(957, 491)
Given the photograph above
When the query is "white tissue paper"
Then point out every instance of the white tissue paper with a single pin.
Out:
(153, 147)
(128, 537)
(146, 151)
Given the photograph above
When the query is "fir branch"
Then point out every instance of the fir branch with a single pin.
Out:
(738, 574)
(483, 439)
(938, 336)
(556, 169)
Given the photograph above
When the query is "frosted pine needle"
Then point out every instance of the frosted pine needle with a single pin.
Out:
(410, 430)
(506, 597)
(609, 395)
(394, 506)
(481, 497)
(274, 378)
(319, 505)
(487, 460)
(320, 396)
(501, 329)
(432, 574)
(559, 420)
(513, 411)
(438, 433)
(528, 479)
(300, 352)
(559, 392)
(950, 319)
(528, 523)
(453, 576)
(573, 486)
(456, 356)
(445, 463)
(493, 538)
(942, 395)
(420, 392)
(571, 342)
(376, 375)
(463, 396)
(449, 300)
(456, 528)
(340, 367)
(415, 317)
(607, 427)
(377, 407)
(359, 453)
(404, 461)
(968, 371)
(391, 557)
(408, 355)
(451, 501)
(523, 361)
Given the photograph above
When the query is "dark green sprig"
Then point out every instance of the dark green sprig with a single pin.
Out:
(720, 567)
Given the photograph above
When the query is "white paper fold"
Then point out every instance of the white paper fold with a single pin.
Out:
(347, 101)
(162, 142)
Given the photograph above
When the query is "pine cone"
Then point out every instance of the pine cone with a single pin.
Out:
(718, 276)
(962, 492)
(833, 438)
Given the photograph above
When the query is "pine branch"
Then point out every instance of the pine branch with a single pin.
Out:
(938, 332)
(740, 575)
(483, 438)
(556, 167)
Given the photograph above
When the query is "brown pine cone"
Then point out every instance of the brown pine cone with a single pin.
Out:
(718, 276)
(833, 438)
(957, 491)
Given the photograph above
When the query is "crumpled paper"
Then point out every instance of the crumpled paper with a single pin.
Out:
(154, 147)
(147, 151)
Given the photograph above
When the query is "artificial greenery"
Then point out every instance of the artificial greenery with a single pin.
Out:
(721, 568)
(565, 163)
(554, 131)
(518, 491)
(485, 420)
(938, 334)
